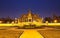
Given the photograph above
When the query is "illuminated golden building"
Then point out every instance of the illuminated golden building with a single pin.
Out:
(30, 19)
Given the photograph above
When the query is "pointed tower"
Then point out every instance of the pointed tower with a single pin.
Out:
(29, 16)
(29, 13)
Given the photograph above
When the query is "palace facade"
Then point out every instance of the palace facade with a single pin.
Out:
(30, 19)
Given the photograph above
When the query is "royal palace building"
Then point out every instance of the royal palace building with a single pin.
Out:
(30, 19)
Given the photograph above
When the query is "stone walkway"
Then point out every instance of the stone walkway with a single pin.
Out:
(31, 34)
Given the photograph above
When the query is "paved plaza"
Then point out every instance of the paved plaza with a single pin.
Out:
(29, 33)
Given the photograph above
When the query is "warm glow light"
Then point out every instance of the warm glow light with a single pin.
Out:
(0, 21)
(46, 21)
(55, 21)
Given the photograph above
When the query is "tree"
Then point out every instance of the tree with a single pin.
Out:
(48, 19)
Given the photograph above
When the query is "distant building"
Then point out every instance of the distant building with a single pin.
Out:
(30, 18)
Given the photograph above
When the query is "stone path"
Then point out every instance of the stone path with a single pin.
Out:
(31, 34)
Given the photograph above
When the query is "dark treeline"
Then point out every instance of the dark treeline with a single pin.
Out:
(6, 20)
(51, 19)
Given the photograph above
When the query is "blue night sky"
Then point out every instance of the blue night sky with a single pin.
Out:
(14, 8)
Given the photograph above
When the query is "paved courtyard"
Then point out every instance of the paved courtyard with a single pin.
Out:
(18, 33)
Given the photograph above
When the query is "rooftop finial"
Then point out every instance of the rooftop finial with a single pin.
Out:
(29, 11)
